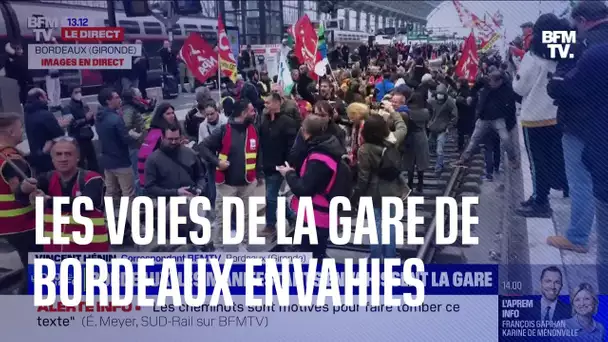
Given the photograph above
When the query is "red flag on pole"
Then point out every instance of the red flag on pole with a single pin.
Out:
(228, 65)
(199, 57)
(306, 40)
(467, 64)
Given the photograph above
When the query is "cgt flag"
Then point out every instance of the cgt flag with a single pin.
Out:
(306, 43)
(467, 64)
(199, 56)
(227, 61)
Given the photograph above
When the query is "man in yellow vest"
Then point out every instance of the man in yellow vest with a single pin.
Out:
(234, 150)
(17, 220)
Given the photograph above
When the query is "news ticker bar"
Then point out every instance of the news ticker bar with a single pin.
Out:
(437, 279)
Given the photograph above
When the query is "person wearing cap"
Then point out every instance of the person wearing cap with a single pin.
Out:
(526, 29)
(577, 114)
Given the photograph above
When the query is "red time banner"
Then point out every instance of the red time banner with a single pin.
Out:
(92, 34)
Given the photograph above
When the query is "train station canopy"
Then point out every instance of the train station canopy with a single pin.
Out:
(408, 10)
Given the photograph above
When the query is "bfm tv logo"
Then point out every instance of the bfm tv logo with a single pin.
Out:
(43, 27)
(559, 43)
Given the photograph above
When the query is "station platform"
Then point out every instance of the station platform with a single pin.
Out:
(529, 235)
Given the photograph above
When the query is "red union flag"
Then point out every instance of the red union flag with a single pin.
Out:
(227, 60)
(199, 57)
(306, 42)
(467, 64)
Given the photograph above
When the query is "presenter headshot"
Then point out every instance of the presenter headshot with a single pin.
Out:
(584, 306)
(550, 307)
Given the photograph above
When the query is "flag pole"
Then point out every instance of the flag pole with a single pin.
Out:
(219, 75)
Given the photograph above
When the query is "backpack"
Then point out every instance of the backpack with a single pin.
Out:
(343, 184)
(388, 169)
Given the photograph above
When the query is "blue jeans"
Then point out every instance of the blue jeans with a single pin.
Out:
(133, 156)
(440, 139)
(381, 251)
(492, 154)
(273, 185)
(601, 216)
(581, 191)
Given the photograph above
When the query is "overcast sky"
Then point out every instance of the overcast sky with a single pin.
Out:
(515, 13)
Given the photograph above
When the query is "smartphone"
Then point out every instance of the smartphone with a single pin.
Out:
(68, 116)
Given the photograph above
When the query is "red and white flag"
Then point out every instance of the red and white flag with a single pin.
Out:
(306, 41)
(467, 64)
(199, 56)
(228, 64)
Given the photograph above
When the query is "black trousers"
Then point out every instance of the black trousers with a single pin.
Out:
(319, 250)
(24, 243)
(88, 156)
(143, 85)
(544, 147)
(492, 153)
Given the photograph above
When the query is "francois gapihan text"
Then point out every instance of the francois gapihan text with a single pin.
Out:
(99, 281)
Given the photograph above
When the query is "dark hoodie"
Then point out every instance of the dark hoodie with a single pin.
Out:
(194, 117)
(466, 114)
(277, 137)
(114, 139)
(210, 147)
(318, 174)
(444, 112)
(496, 104)
(80, 128)
(299, 150)
(40, 127)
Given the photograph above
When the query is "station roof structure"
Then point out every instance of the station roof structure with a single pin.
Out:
(408, 10)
